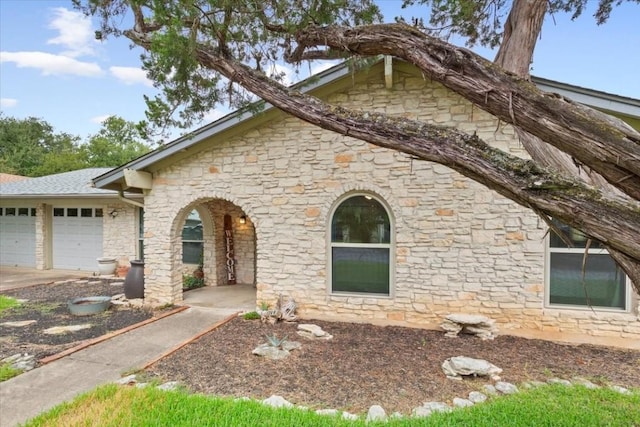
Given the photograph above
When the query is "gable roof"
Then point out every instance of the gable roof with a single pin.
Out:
(67, 184)
(628, 108)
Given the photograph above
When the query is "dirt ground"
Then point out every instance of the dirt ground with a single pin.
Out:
(47, 304)
(398, 368)
(395, 367)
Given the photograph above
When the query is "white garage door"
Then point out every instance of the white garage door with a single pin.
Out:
(18, 236)
(77, 238)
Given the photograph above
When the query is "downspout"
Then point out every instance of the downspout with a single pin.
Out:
(129, 201)
(388, 72)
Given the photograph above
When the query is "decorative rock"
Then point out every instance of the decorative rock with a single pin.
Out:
(461, 403)
(532, 384)
(558, 381)
(490, 389)
(168, 386)
(142, 385)
(506, 388)
(480, 326)
(454, 367)
(329, 412)
(19, 324)
(477, 397)
(276, 353)
(129, 379)
(277, 402)
(20, 361)
(311, 331)
(428, 408)
(349, 416)
(59, 330)
(586, 383)
(620, 389)
(376, 413)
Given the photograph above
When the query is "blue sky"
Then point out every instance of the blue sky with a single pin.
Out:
(51, 67)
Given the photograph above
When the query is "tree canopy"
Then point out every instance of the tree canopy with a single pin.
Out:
(204, 52)
(31, 147)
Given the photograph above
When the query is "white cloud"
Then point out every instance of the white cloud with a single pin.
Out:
(8, 102)
(131, 75)
(284, 72)
(50, 64)
(213, 115)
(100, 119)
(75, 32)
(320, 66)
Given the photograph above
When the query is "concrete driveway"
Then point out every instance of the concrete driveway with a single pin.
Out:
(20, 277)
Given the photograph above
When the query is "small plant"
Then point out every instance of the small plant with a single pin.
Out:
(192, 282)
(7, 371)
(264, 306)
(251, 315)
(276, 342)
(7, 303)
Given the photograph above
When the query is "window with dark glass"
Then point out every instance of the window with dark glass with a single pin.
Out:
(72, 212)
(192, 240)
(86, 212)
(10, 212)
(23, 211)
(58, 211)
(579, 276)
(360, 247)
(140, 232)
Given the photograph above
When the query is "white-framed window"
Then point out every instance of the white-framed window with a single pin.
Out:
(360, 247)
(192, 239)
(141, 233)
(578, 281)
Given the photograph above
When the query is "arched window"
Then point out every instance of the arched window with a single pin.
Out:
(360, 247)
(192, 241)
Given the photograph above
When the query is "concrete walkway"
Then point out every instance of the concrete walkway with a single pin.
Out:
(40, 389)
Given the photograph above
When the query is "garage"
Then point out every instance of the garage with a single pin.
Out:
(77, 237)
(18, 236)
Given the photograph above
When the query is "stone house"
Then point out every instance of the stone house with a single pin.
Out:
(357, 232)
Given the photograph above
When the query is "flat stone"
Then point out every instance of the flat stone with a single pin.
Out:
(59, 330)
(129, 379)
(19, 323)
(477, 397)
(454, 367)
(21, 361)
(585, 382)
(490, 389)
(620, 389)
(328, 412)
(169, 386)
(277, 402)
(461, 403)
(559, 381)
(312, 331)
(349, 416)
(270, 352)
(470, 319)
(376, 413)
(506, 388)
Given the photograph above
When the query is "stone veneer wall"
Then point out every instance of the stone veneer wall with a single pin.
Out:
(120, 234)
(459, 247)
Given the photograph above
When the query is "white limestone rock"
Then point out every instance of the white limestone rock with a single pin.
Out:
(19, 323)
(506, 388)
(456, 367)
(59, 330)
(461, 403)
(478, 325)
(277, 402)
(376, 413)
(312, 331)
(477, 397)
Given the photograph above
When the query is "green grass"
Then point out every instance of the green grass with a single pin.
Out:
(554, 405)
(7, 371)
(7, 303)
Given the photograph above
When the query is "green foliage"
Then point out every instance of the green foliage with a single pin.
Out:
(191, 282)
(546, 406)
(7, 371)
(30, 147)
(276, 342)
(482, 21)
(251, 315)
(7, 303)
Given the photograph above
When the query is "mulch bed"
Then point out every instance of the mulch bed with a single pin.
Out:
(398, 368)
(47, 304)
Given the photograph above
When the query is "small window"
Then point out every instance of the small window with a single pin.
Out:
(98, 212)
(192, 240)
(1, 211)
(33, 211)
(58, 211)
(10, 211)
(86, 212)
(72, 212)
(23, 211)
(576, 280)
(361, 247)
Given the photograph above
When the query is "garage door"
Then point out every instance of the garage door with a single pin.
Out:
(18, 236)
(77, 238)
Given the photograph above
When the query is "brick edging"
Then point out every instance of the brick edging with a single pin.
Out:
(107, 336)
(190, 340)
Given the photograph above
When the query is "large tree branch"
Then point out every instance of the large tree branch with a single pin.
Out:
(613, 150)
(598, 215)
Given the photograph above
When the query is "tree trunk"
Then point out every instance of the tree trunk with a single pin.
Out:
(521, 30)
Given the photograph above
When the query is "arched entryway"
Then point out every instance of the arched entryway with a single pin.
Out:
(218, 239)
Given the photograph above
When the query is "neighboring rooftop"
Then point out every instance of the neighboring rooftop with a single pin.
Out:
(7, 177)
(74, 183)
